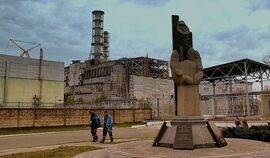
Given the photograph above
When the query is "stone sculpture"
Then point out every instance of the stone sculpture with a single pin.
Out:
(188, 129)
(187, 72)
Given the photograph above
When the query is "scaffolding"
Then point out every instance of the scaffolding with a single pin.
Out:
(148, 67)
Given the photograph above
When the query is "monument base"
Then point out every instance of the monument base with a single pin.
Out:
(189, 134)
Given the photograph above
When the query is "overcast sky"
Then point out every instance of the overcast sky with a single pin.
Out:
(223, 30)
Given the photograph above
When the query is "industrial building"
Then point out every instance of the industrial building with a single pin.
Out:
(30, 82)
(126, 78)
(26, 81)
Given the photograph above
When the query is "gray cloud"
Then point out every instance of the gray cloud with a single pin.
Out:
(232, 44)
(241, 38)
(258, 4)
(64, 28)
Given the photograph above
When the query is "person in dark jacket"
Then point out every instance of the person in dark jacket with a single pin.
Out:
(107, 126)
(94, 125)
(237, 122)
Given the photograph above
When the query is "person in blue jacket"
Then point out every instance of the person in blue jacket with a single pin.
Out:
(107, 126)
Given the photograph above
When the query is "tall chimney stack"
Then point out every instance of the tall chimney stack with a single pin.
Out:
(97, 35)
(106, 46)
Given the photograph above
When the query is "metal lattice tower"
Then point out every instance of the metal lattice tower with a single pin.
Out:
(97, 35)
(106, 46)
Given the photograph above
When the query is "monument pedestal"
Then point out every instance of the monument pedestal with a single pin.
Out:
(189, 129)
(189, 134)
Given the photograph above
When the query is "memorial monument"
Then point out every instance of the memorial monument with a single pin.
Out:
(188, 129)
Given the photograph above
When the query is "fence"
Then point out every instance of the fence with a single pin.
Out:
(219, 106)
(163, 111)
(29, 105)
(42, 117)
(113, 104)
(230, 106)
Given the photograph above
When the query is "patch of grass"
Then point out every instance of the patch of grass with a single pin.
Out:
(25, 130)
(61, 152)
(129, 124)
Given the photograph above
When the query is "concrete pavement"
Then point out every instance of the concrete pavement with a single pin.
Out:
(39, 141)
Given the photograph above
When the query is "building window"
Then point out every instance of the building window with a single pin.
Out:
(107, 70)
(102, 71)
(95, 70)
(269, 106)
(110, 69)
(98, 74)
(92, 73)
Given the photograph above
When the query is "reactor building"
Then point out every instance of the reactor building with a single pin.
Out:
(139, 78)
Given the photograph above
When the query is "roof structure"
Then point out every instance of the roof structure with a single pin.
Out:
(244, 69)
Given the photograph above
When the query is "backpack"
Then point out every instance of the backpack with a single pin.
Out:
(98, 121)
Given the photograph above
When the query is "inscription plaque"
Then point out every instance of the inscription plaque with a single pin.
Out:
(183, 138)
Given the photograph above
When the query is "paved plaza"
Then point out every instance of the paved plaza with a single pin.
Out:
(143, 149)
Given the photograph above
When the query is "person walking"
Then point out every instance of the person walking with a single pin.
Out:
(107, 126)
(94, 124)
(237, 122)
(244, 122)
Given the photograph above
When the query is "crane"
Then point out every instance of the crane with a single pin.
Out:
(25, 52)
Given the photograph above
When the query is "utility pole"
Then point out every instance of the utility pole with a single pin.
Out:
(74, 75)
(6, 82)
(163, 106)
